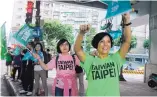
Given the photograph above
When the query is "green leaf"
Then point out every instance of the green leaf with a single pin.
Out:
(54, 30)
(146, 44)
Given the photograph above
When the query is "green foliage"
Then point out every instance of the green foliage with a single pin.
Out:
(133, 42)
(54, 30)
(89, 37)
(117, 42)
(146, 44)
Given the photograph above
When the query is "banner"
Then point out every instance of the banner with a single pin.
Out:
(27, 56)
(17, 50)
(116, 7)
(37, 33)
(24, 35)
(115, 34)
(3, 43)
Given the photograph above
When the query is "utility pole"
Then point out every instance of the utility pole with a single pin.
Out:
(37, 23)
(38, 13)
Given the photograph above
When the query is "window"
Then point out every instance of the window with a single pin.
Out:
(63, 5)
(19, 9)
(127, 59)
(20, 1)
(18, 17)
(46, 4)
(52, 5)
(56, 17)
(138, 59)
(17, 24)
(46, 12)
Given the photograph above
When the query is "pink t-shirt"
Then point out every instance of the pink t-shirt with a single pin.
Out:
(65, 66)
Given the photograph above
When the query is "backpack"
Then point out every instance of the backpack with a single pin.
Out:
(78, 69)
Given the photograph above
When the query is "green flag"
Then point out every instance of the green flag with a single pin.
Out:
(3, 44)
(24, 35)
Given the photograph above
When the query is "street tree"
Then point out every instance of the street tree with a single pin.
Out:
(133, 44)
(146, 44)
(54, 30)
(88, 38)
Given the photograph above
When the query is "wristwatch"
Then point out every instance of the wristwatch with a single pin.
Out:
(127, 24)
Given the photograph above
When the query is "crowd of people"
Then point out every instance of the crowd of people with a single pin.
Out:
(26, 68)
(101, 68)
(30, 72)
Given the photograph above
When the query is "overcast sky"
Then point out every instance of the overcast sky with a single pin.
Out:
(6, 11)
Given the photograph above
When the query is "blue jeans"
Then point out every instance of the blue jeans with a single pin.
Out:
(60, 92)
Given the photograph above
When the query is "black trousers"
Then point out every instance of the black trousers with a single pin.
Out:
(14, 72)
(28, 79)
(23, 71)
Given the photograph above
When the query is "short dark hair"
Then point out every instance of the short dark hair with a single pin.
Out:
(32, 44)
(61, 41)
(99, 37)
(40, 46)
(24, 51)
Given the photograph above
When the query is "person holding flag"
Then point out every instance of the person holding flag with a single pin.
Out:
(27, 75)
(65, 83)
(103, 70)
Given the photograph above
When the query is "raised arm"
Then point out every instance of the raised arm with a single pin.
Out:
(42, 64)
(127, 36)
(77, 47)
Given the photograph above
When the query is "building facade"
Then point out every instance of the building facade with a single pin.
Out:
(66, 13)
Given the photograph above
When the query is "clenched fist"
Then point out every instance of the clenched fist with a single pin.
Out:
(84, 28)
(126, 17)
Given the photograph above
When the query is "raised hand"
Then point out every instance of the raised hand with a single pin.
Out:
(126, 17)
(36, 56)
(84, 28)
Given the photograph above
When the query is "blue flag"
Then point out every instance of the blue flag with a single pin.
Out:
(17, 51)
(27, 56)
(116, 7)
(115, 34)
(24, 35)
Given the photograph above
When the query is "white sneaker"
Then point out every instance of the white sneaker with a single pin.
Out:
(19, 80)
(23, 91)
(29, 93)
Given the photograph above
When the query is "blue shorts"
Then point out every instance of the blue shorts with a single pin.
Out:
(60, 92)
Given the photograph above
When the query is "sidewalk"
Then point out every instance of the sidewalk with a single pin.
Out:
(133, 87)
(14, 86)
(126, 88)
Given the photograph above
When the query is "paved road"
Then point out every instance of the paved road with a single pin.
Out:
(133, 87)
(4, 91)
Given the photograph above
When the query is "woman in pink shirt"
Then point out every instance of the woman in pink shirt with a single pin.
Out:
(65, 83)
